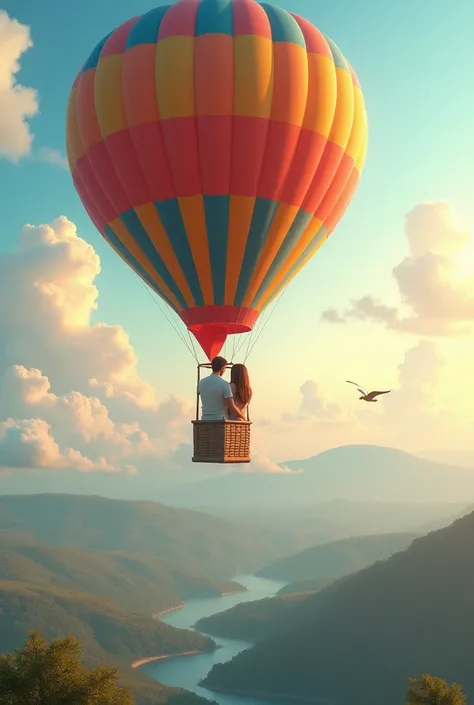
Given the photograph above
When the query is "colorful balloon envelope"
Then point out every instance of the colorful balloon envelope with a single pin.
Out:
(216, 144)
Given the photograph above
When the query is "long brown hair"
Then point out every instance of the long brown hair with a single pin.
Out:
(240, 377)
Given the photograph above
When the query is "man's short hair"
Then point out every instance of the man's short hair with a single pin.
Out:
(218, 363)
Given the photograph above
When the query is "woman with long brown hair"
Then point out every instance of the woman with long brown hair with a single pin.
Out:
(241, 389)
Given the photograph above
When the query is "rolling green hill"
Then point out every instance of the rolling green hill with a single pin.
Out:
(254, 621)
(106, 633)
(137, 583)
(197, 540)
(324, 563)
(304, 586)
(361, 635)
(103, 629)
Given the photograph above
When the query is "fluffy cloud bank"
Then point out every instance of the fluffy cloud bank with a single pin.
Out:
(413, 415)
(19, 104)
(436, 290)
(71, 395)
(28, 444)
(418, 377)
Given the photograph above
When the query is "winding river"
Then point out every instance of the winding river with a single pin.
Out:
(186, 672)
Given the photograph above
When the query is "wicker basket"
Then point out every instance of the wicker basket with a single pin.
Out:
(221, 441)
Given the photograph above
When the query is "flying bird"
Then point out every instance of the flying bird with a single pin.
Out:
(366, 396)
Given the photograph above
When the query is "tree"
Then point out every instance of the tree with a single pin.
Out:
(42, 674)
(429, 690)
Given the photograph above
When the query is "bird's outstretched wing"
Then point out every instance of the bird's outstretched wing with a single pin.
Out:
(376, 394)
(361, 389)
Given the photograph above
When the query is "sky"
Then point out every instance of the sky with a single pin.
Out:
(93, 379)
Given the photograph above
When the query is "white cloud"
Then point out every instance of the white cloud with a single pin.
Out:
(413, 414)
(47, 298)
(316, 408)
(436, 289)
(263, 464)
(314, 403)
(71, 394)
(52, 156)
(18, 104)
(418, 377)
(28, 444)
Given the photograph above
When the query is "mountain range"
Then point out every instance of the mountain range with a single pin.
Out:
(138, 583)
(201, 541)
(358, 473)
(322, 564)
(364, 634)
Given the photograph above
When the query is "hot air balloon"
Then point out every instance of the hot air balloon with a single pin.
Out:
(216, 144)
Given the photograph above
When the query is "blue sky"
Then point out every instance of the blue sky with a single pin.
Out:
(415, 63)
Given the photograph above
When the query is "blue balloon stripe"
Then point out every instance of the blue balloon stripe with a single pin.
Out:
(113, 240)
(296, 230)
(134, 226)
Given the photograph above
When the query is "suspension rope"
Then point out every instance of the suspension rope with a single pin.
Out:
(254, 332)
(238, 343)
(170, 321)
(235, 334)
(252, 335)
(241, 343)
(249, 351)
(191, 340)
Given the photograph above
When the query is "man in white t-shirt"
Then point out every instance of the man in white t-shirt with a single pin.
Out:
(216, 394)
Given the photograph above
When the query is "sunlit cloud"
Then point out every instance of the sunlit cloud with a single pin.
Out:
(435, 280)
(71, 395)
(315, 405)
(18, 103)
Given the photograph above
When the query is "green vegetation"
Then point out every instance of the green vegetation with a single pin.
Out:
(107, 634)
(186, 538)
(42, 674)
(45, 674)
(103, 629)
(253, 621)
(104, 598)
(327, 562)
(145, 584)
(411, 613)
(111, 566)
(429, 690)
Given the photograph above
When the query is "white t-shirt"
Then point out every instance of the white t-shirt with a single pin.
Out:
(213, 391)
